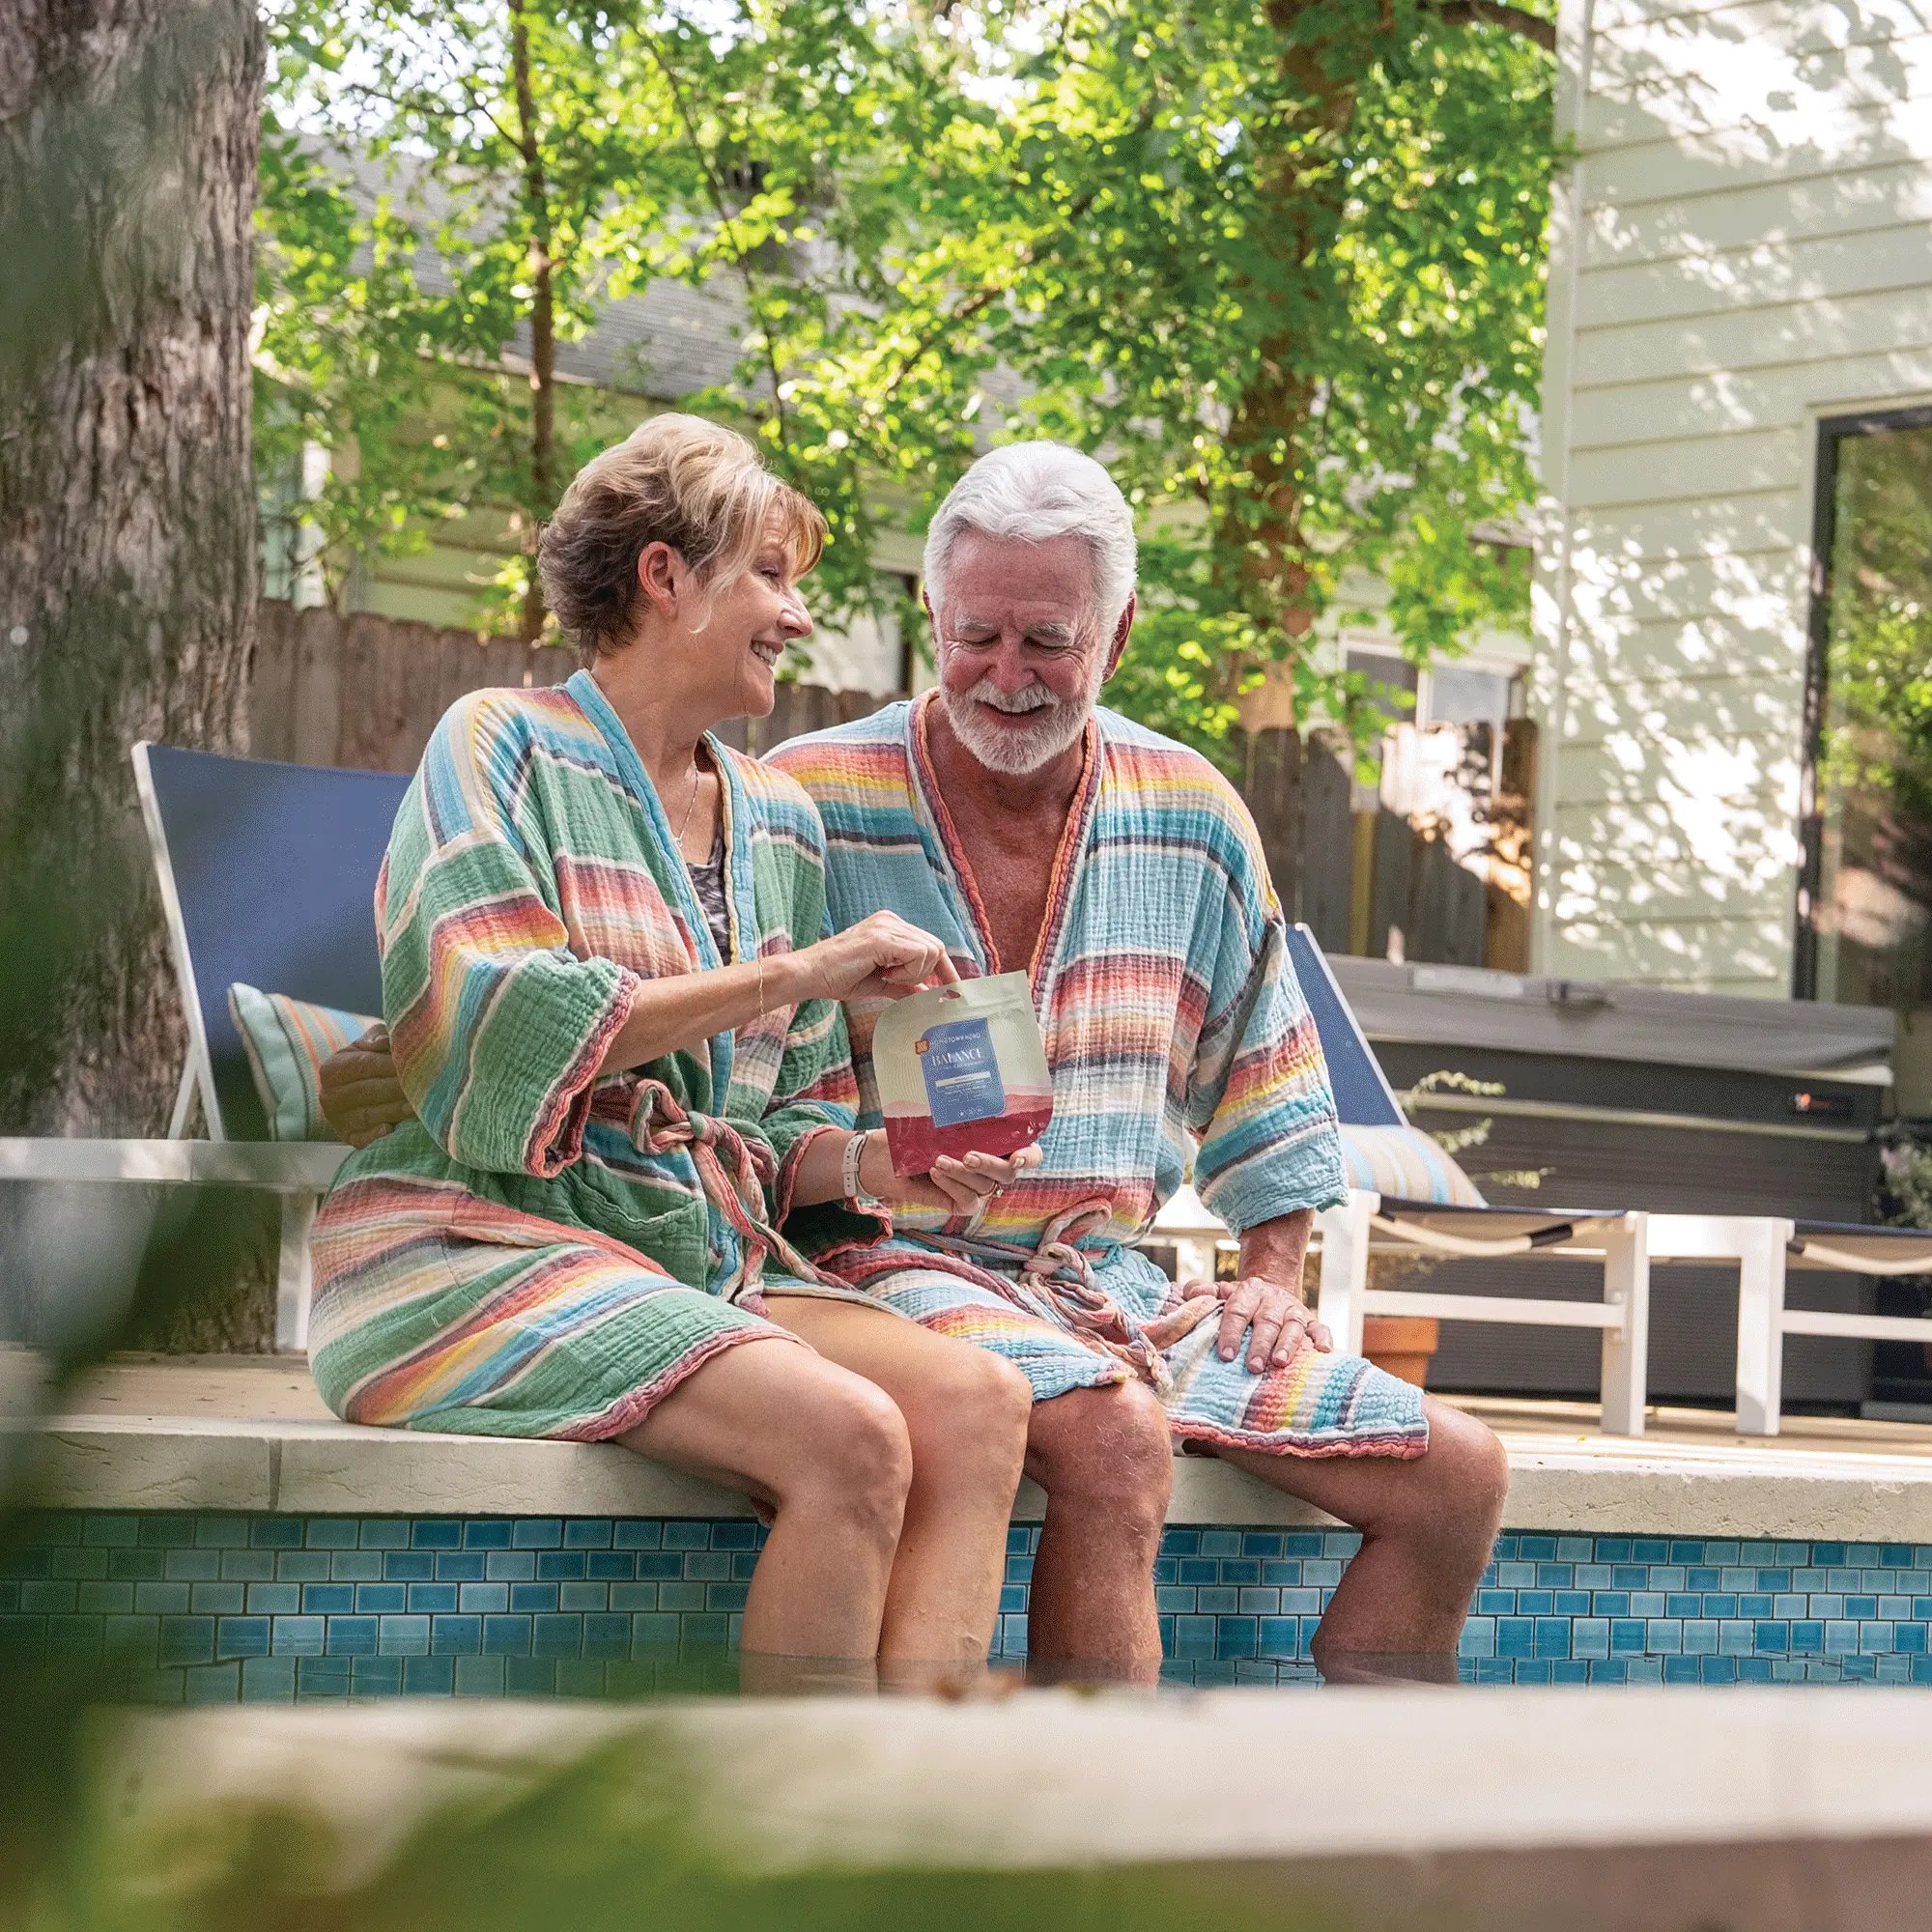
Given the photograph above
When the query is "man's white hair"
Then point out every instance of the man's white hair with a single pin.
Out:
(1032, 491)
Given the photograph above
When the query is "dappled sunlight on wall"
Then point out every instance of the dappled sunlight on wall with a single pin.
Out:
(1744, 249)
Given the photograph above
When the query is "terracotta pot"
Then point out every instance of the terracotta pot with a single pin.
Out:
(1401, 1344)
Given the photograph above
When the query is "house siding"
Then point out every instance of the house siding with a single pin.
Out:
(1741, 248)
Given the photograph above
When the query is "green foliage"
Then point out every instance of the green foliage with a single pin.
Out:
(1455, 1142)
(1281, 262)
(603, 1843)
(1879, 670)
(1906, 1169)
(398, 309)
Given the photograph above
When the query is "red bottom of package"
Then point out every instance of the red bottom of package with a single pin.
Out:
(915, 1142)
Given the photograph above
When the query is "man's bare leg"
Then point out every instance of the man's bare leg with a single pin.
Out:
(1105, 1459)
(1428, 1527)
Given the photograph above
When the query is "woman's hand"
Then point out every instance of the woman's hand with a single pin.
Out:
(882, 957)
(954, 1186)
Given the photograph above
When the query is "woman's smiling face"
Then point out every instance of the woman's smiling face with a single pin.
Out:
(754, 621)
(730, 639)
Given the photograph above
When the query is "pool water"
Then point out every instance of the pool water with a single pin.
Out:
(211, 1608)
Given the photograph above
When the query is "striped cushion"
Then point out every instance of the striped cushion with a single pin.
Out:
(287, 1041)
(1406, 1164)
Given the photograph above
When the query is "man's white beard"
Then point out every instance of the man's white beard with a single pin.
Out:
(1054, 725)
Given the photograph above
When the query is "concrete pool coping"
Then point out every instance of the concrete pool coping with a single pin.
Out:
(1644, 1810)
(1047, 1777)
(249, 1435)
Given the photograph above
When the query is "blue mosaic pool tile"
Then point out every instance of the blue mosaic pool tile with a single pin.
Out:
(242, 1637)
(403, 1635)
(271, 1608)
(1236, 1637)
(1590, 1636)
(1278, 1636)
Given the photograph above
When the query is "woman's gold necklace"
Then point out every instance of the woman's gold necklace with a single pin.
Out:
(696, 785)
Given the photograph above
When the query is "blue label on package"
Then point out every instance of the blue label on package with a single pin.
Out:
(962, 1073)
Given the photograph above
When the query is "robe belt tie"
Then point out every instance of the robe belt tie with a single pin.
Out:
(732, 1171)
(1060, 1274)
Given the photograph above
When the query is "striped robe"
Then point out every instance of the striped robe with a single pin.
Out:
(546, 1251)
(1177, 1034)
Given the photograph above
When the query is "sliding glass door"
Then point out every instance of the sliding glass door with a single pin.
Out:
(1866, 897)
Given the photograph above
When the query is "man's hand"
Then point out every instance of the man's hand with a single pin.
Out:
(954, 1186)
(1264, 1301)
(362, 1098)
(1277, 1322)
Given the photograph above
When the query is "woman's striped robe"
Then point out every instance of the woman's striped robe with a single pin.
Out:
(545, 1252)
(1176, 1031)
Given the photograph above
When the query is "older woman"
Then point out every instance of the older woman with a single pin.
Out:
(619, 1023)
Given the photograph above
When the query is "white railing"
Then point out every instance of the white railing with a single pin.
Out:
(1763, 1249)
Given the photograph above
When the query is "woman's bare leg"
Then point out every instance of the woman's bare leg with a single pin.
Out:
(966, 1412)
(828, 1454)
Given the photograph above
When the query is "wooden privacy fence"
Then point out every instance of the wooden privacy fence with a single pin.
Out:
(365, 692)
(1436, 869)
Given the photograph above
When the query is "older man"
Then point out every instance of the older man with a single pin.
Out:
(1031, 829)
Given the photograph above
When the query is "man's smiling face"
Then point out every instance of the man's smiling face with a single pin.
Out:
(1021, 651)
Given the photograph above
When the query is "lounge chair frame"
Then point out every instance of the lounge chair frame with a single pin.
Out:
(296, 1175)
(1764, 1250)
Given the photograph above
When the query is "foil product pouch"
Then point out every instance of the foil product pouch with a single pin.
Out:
(961, 1069)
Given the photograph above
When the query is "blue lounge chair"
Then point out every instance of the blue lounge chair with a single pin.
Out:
(266, 875)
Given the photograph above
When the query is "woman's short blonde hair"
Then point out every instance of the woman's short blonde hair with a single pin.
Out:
(675, 479)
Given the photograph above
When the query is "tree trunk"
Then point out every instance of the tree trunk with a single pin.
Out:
(543, 326)
(1260, 535)
(128, 147)
(1297, 294)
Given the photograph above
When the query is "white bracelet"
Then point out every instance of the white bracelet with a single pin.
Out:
(851, 1186)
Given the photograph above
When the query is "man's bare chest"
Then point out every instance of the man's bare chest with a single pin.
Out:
(1013, 874)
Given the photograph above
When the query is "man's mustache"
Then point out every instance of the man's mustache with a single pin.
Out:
(1015, 704)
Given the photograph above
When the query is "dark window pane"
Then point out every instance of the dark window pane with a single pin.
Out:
(1873, 915)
